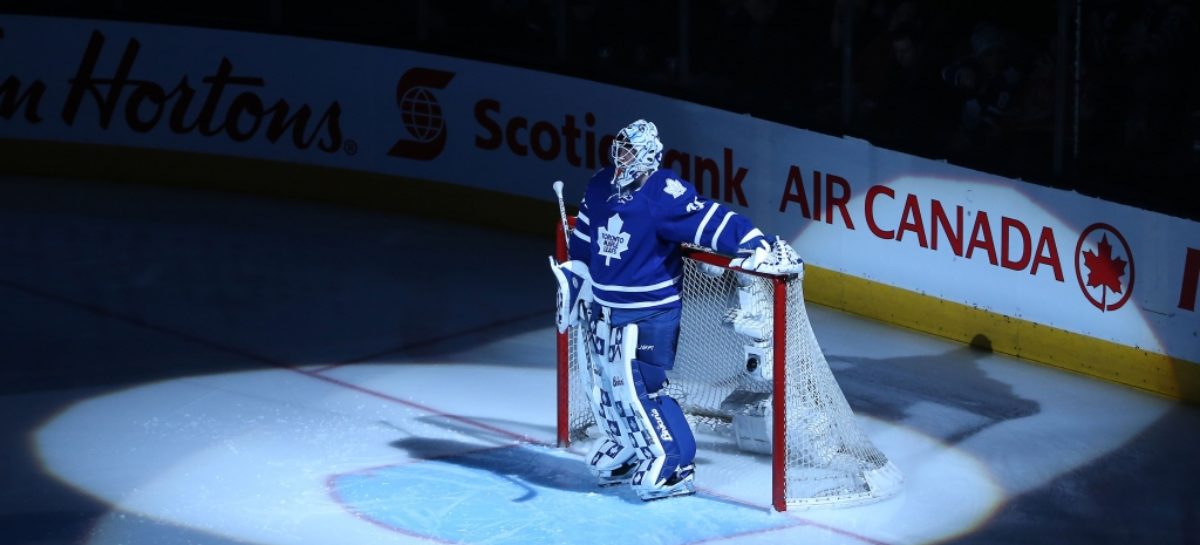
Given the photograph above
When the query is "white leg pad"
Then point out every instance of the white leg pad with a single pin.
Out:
(631, 428)
(643, 428)
(611, 462)
(613, 457)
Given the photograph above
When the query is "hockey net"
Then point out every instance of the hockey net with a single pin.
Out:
(748, 366)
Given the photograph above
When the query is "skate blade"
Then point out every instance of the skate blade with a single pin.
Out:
(606, 483)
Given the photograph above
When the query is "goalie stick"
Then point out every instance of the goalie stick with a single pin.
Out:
(562, 214)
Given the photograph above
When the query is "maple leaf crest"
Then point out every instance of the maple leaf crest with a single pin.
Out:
(1104, 271)
(612, 241)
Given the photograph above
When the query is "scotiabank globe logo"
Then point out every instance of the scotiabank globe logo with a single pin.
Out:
(421, 114)
(1104, 267)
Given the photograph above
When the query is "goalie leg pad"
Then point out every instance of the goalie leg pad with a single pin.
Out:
(611, 462)
(657, 426)
(668, 437)
(614, 456)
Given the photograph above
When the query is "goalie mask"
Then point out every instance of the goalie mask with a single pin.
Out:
(635, 151)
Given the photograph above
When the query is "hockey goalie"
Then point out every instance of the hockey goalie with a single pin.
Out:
(621, 286)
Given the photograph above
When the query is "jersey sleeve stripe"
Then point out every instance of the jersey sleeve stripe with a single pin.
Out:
(583, 218)
(720, 228)
(751, 236)
(704, 223)
(582, 236)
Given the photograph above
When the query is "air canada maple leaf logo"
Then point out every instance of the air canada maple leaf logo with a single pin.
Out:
(1104, 270)
(1108, 281)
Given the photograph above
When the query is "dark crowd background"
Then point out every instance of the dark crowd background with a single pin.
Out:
(1097, 96)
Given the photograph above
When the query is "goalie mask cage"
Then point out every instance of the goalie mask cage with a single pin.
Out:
(819, 455)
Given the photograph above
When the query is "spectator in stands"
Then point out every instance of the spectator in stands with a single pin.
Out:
(1141, 73)
(985, 82)
(901, 101)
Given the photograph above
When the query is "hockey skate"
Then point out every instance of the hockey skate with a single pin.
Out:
(680, 483)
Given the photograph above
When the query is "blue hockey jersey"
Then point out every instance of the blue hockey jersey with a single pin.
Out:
(631, 242)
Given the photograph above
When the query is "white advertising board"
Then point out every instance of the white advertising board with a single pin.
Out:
(1044, 255)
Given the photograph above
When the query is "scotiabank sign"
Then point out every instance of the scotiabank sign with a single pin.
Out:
(422, 115)
(580, 145)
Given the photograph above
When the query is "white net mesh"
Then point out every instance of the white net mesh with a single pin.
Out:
(724, 370)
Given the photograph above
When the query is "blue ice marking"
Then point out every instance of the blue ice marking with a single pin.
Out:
(534, 495)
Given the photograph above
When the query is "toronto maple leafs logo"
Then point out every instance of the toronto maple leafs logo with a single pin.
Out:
(611, 240)
(674, 188)
(1104, 271)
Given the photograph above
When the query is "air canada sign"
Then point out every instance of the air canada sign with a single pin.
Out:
(225, 103)
(1102, 261)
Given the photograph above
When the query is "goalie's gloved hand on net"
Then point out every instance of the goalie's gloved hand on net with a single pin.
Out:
(771, 258)
(788, 260)
(754, 254)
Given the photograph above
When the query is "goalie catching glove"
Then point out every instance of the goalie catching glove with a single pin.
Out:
(777, 258)
(574, 292)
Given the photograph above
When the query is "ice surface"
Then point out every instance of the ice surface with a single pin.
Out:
(186, 367)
